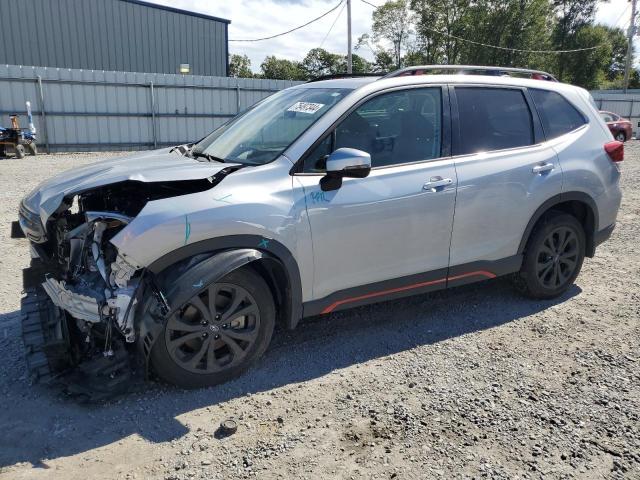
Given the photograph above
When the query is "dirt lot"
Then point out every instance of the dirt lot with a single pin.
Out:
(476, 382)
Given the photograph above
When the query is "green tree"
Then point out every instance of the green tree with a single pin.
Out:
(618, 40)
(382, 58)
(439, 26)
(240, 66)
(359, 64)
(571, 16)
(589, 68)
(319, 62)
(281, 69)
(393, 21)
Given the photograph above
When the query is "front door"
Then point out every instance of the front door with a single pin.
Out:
(379, 235)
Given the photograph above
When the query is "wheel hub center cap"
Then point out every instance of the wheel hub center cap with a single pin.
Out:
(556, 259)
(214, 328)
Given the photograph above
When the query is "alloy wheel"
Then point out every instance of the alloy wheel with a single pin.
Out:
(557, 258)
(214, 330)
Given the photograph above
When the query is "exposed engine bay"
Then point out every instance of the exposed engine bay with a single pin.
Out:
(97, 291)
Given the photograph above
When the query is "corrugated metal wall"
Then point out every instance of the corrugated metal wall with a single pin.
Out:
(120, 35)
(76, 110)
(626, 105)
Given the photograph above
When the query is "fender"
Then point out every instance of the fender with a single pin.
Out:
(556, 200)
(268, 247)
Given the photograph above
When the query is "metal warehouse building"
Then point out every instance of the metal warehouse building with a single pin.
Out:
(121, 35)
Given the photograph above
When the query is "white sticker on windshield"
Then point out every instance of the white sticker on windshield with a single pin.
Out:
(305, 107)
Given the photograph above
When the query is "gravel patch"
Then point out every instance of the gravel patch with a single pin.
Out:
(476, 382)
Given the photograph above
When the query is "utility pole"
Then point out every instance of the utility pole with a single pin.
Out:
(630, 34)
(349, 59)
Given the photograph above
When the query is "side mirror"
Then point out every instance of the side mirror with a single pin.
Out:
(345, 162)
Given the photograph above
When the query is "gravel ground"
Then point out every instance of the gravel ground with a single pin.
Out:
(472, 383)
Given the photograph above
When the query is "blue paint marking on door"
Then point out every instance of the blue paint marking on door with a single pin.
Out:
(187, 229)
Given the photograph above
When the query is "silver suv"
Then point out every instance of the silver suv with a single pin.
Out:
(324, 196)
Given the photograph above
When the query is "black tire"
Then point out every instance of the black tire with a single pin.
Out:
(553, 257)
(170, 358)
(19, 149)
(621, 137)
(33, 149)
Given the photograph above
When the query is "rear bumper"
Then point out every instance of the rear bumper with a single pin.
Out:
(603, 235)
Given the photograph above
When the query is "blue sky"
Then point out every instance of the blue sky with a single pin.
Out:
(258, 18)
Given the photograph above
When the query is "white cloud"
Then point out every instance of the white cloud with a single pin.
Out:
(260, 18)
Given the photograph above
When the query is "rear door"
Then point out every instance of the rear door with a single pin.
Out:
(505, 172)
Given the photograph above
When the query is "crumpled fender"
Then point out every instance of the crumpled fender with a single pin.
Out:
(188, 284)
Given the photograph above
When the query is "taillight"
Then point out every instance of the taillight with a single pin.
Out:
(615, 150)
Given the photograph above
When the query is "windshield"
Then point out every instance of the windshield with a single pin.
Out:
(263, 132)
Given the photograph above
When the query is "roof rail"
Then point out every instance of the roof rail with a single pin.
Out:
(335, 76)
(472, 70)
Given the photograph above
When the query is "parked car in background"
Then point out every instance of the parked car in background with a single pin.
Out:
(620, 127)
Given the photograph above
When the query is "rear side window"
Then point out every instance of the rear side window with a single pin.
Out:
(557, 114)
(493, 119)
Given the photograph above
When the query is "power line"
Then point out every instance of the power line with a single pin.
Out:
(288, 31)
(371, 4)
(333, 24)
(519, 50)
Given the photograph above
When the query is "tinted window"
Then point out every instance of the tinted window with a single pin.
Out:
(394, 128)
(493, 119)
(557, 114)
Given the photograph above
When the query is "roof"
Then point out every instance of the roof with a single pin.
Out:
(177, 10)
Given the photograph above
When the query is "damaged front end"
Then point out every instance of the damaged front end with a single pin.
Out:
(83, 296)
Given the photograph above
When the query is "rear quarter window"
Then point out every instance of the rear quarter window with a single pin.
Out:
(557, 114)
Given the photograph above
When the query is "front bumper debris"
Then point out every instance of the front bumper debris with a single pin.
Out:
(79, 306)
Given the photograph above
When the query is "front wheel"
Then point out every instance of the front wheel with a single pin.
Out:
(218, 333)
(553, 257)
(621, 137)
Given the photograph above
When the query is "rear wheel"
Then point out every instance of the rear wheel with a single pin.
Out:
(553, 257)
(218, 333)
(621, 137)
(19, 149)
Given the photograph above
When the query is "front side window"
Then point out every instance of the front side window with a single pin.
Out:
(557, 114)
(394, 128)
(493, 119)
(262, 133)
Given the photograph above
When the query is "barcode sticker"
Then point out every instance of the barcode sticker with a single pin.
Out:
(305, 107)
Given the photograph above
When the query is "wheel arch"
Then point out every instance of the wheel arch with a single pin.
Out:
(578, 204)
(268, 257)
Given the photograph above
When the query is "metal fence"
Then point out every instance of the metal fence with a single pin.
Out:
(80, 110)
(626, 105)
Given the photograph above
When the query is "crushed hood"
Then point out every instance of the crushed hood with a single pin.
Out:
(152, 166)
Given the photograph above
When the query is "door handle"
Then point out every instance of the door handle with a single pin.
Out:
(545, 167)
(436, 182)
